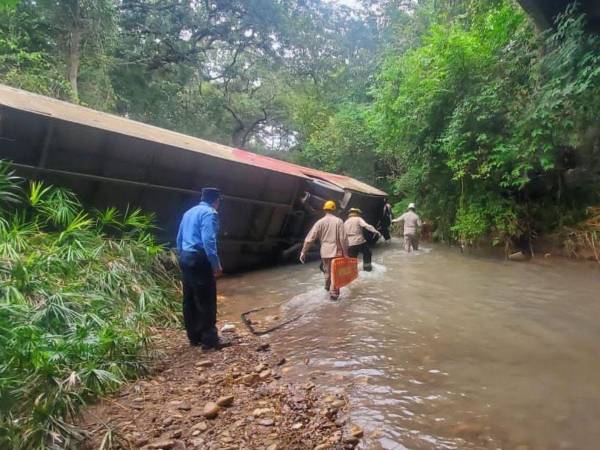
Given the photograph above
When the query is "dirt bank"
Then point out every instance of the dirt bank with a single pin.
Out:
(177, 407)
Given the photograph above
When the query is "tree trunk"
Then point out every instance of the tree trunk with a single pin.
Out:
(74, 60)
(75, 39)
(238, 137)
(242, 132)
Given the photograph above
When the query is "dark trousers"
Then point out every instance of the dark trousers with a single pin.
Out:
(384, 227)
(199, 298)
(385, 232)
(363, 248)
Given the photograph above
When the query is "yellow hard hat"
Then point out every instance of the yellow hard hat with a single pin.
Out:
(329, 206)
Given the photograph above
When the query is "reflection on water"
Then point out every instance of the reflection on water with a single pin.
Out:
(440, 351)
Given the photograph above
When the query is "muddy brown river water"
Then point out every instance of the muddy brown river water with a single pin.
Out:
(438, 350)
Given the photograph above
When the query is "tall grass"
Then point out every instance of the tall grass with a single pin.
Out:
(79, 293)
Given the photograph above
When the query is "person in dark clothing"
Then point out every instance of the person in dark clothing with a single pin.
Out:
(200, 266)
(386, 220)
(355, 227)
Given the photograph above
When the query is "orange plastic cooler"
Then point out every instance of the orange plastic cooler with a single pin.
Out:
(344, 271)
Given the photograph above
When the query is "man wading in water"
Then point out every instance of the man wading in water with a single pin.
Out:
(354, 227)
(412, 223)
(329, 231)
(200, 265)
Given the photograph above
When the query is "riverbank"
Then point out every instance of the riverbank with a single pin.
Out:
(238, 397)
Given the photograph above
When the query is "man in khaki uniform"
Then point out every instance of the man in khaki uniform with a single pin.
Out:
(412, 223)
(354, 227)
(329, 231)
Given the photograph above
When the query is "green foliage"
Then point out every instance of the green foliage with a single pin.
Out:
(485, 120)
(10, 189)
(8, 4)
(344, 144)
(26, 56)
(78, 294)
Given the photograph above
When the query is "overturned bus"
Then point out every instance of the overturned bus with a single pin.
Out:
(107, 160)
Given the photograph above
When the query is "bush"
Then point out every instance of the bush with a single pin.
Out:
(493, 129)
(79, 292)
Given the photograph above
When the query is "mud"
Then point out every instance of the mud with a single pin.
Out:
(236, 398)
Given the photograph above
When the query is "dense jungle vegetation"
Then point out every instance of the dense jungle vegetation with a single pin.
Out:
(462, 106)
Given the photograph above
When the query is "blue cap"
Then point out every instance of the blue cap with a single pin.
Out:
(210, 195)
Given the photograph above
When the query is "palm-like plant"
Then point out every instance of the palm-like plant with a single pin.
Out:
(59, 207)
(10, 189)
(78, 293)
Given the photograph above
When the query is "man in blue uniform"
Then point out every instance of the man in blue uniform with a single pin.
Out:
(200, 265)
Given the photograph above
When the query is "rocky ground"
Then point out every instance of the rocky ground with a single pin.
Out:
(236, 398)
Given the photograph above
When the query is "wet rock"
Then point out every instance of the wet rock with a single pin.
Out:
(352, 440)
(249, 379)
(197, 443)
(341, 422)
(162, 443)
(211, 410)
(239, 423)
(264, 374)
(266, 422)
(356, 431)
(261, 411)
(204, 363)
(518, 256)
(184, 406)
(468, 430)
(338, 404)
(179, 445)
(200, 426)
(141, 441)
(335, 437)
(197, 412)
(226, 400)
(228, 327)
(176, 434)
(377, 433)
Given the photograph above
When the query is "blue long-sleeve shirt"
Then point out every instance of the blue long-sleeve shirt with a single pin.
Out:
(198, 230)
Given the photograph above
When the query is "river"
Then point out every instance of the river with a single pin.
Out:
(439, 350)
